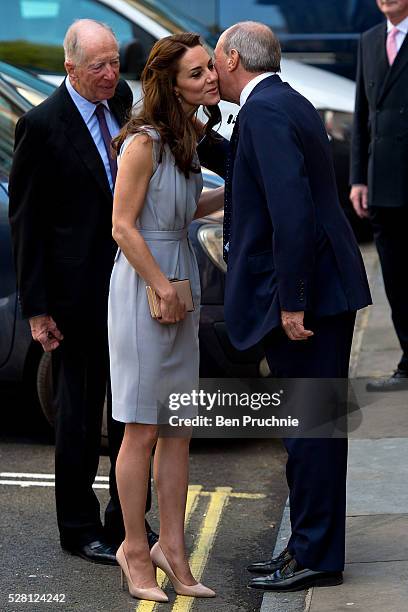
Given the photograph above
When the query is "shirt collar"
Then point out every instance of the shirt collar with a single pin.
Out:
(251, 85)
(402, 26)
(85, 107)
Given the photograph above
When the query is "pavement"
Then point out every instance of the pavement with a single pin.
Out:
(376, 572)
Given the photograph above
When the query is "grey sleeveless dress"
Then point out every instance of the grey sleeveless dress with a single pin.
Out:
(148, 360)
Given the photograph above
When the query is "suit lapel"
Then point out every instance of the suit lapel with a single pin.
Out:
(399, 64)
(380, 61)
(81, 140)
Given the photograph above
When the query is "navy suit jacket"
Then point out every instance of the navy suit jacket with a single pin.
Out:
(291, 246)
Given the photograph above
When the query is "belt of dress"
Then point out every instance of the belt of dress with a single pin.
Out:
(164, 234)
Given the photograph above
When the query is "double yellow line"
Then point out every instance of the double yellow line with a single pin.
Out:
(217, 502)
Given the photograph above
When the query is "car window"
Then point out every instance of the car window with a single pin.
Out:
(32, 31)
(9, 115)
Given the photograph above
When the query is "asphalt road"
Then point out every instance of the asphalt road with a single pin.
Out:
(236, 500)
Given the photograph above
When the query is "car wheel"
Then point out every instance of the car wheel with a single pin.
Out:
(44, 388)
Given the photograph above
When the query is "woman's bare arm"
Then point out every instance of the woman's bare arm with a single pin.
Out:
(135, 171)
(210, 201)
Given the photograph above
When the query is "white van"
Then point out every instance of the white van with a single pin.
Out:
(32, 31)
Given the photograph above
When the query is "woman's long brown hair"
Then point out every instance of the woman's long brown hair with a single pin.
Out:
(161, 109)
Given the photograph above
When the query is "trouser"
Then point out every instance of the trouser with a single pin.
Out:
(317, 467)
(390, 226)
(80, 368)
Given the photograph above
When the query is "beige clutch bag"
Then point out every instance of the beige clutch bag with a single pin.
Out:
(183, 289)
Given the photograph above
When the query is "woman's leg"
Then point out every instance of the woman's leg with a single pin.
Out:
(171, 479)
(132, 474)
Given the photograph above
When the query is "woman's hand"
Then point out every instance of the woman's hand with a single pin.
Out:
(172, 308)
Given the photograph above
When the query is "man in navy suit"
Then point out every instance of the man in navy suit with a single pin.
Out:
(295, 281)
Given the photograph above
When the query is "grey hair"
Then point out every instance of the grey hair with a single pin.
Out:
(73, 49)
(258, 47)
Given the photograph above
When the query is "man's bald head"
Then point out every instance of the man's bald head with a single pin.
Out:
(259, 49)
(92, 59)
(81, 37)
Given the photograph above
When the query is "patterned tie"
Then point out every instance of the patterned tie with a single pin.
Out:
(392, 49)
(107, 137)
(228, 188)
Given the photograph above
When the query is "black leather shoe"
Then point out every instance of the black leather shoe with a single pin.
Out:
(396, 382)
(152, 536)
(268, 567)
(96, 552)
(292, 577)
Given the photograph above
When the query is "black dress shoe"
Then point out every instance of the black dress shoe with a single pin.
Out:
(96, 552)
(293, 577)
(152, 536)
(396, 382)
(268, 567)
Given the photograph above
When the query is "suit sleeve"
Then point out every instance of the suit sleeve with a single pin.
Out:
(360, 135)
(276, 157)
(213, 153)
(28, 217)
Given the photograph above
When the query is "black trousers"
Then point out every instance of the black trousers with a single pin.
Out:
(80, 368)
(316, 469)
(390, 226)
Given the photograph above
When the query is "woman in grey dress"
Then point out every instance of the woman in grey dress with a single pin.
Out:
(157, 195)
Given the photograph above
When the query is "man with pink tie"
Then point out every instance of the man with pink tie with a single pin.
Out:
(379, 159)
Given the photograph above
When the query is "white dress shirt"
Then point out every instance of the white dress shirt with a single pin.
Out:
(402, 27)
(87, 110)
(251, 85)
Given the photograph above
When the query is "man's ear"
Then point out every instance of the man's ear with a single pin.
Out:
(70, 69)
(233, 60)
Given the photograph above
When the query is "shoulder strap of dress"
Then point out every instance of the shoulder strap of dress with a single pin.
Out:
(153, 134)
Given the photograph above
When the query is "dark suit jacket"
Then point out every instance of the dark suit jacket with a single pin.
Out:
(61, 211)
(379, 154)
(291, 246)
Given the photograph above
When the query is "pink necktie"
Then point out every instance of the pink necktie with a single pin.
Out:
(392, 45)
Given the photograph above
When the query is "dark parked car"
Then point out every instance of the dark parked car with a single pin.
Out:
(21, 359)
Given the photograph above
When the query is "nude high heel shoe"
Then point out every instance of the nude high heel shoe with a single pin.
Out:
(151, 594)
(195, 590)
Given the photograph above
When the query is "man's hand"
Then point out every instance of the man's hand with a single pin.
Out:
(359, 199)
(292, 323)
(45, 331)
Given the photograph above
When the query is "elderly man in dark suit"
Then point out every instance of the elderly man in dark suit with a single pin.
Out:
(379, 159)
(61, 187)
(295, 279)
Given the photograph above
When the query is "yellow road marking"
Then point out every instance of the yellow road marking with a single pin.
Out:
(198, 559)
(192, 499)
(239, 495)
